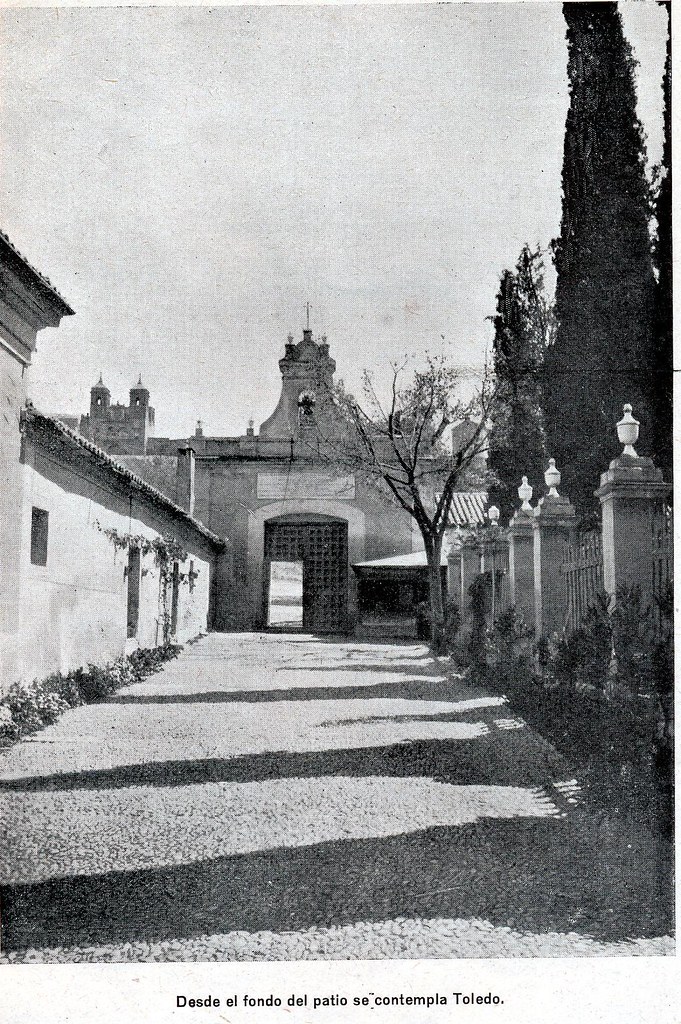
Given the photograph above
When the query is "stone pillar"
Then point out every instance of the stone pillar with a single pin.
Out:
(521, 564)
(554, 522)
(469, 569)
(184, 480)
(631, 492)
(454, 558)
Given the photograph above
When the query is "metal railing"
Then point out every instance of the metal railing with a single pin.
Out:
(662, 562)
(582, 570)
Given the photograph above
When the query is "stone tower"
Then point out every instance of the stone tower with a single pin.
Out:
(100, 398)
(119, 429)
(139, 396)
(306, 378)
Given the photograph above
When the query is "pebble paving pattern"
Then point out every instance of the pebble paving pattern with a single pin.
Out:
(272, 797)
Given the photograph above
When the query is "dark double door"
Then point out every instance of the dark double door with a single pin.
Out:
(322, 547)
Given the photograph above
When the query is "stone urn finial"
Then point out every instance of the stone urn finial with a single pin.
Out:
(525, 495)
(552, 479)
(627, 432)
(493, 515)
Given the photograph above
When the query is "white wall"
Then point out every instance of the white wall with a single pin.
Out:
(12, 397)
(73, 610)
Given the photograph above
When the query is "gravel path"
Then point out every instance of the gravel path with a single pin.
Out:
(269, 797)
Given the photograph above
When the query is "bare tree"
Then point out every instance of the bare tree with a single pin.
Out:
(419, 446)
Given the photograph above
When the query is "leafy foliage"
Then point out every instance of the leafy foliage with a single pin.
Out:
(27, 707)
(165, 549)
(601, 694)
(418, 449)
(167, 552)
(603, 353)
(523, 328)
(582, 659)
(661, 382)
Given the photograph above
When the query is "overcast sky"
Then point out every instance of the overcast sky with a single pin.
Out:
(188, 178)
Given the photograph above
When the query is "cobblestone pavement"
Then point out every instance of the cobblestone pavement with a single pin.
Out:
(271, 797)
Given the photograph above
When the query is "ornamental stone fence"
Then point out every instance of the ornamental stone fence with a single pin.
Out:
(551, 573)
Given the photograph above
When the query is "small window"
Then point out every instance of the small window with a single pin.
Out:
(39, 521)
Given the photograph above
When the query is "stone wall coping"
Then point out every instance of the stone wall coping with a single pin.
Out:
(553, 509)
(628, 488)
(640, 475)
(521, 524)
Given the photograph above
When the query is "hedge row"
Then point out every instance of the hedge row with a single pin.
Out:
(611, 716)
(27, 707)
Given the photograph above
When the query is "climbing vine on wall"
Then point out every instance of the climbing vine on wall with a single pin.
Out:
(166, 551)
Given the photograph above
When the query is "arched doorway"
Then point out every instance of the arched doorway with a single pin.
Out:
(318, 545)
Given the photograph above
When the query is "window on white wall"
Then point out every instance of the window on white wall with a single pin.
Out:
(39, 530)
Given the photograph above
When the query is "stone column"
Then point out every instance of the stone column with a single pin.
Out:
(469, 569)
(632, 491)
(521, 564)
(451, 547)
(554, 522)
(521, 556)
(455, 575)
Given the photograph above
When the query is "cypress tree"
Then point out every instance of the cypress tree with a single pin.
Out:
(661, 393)
(522, 328)
(603, 351)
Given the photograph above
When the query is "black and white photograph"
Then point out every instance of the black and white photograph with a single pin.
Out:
(336, 465)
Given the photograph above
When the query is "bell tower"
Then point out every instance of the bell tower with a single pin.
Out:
(139, 396)
(100, 399)
(306, 378)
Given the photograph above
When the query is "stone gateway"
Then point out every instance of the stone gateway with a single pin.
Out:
(289, 516)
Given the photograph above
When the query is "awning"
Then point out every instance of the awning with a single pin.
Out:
(413, 560)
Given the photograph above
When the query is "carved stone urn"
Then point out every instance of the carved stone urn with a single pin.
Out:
(627, 432)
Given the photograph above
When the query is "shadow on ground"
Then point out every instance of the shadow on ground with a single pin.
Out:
(490, 760)
(536, 876)
(406, 689)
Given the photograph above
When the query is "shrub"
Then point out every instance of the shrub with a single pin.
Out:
(601, 694)
(477, 646)
(66, 686)
(27, 707)
(98, 682)
(509, 648)
(33, 705)
(583, 658)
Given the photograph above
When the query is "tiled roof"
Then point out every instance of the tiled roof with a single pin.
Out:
(45, 281)
(118, 469)
(468, 508)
